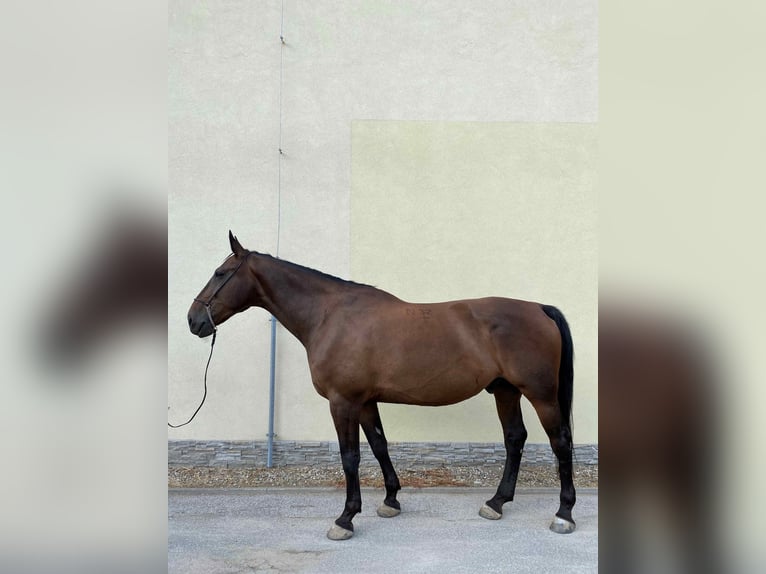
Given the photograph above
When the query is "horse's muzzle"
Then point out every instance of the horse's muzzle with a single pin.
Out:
(200, 326)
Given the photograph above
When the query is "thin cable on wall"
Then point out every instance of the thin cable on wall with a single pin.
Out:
(273, 355)
(282, 45)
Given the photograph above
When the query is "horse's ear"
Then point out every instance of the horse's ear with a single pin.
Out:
(236, 248)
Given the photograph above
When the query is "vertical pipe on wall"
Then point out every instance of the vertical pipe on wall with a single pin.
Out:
(272, 377)
(273, 355)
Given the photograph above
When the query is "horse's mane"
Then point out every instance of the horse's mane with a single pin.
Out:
(317, 273)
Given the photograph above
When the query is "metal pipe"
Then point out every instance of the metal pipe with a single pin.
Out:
(273, 360)
(272, 377)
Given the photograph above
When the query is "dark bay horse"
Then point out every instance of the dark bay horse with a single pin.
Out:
(365, 346)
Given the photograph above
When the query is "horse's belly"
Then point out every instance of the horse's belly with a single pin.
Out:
(434, 359)
(435, 370)
(435, 391)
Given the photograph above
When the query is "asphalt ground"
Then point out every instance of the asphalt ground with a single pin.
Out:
(229, 531)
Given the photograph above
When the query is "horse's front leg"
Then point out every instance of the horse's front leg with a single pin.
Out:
(345, 415)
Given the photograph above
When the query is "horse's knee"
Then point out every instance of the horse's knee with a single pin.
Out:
(350, 461)
(515, 439)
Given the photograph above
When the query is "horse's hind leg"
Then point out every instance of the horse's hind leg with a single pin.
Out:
(345, 415)
(507, 399)
(560, 436)
(373, 430)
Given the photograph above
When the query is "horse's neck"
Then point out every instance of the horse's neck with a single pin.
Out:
(295, 296)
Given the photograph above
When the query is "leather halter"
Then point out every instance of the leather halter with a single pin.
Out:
(217, 289)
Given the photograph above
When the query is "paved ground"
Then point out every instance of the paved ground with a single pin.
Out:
(214, 531)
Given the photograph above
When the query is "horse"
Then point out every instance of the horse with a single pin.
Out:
(366, 346)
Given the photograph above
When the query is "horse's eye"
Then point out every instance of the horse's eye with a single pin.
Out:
(219, 273)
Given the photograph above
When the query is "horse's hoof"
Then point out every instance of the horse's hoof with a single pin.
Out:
(561, 526)
(489, 513)
(339, 533)
(385, 511)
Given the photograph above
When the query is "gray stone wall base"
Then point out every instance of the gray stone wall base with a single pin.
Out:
(252, 454)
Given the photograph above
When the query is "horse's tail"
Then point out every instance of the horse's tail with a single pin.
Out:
(566, 368)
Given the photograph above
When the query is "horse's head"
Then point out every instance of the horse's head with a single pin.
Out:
(228, 292)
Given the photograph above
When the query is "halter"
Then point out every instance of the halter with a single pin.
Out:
(212, 343)
(215, 292)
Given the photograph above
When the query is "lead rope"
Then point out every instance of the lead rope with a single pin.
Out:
(212, 343)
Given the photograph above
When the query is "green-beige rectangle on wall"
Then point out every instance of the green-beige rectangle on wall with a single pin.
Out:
(456, 210)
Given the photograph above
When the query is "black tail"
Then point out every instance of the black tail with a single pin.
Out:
(566, 368)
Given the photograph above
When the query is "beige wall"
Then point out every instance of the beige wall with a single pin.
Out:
(476, 74)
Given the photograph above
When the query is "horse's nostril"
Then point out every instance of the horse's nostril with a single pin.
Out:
(190, 320)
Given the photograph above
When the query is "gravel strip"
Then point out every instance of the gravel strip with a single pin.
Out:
(586, 476)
